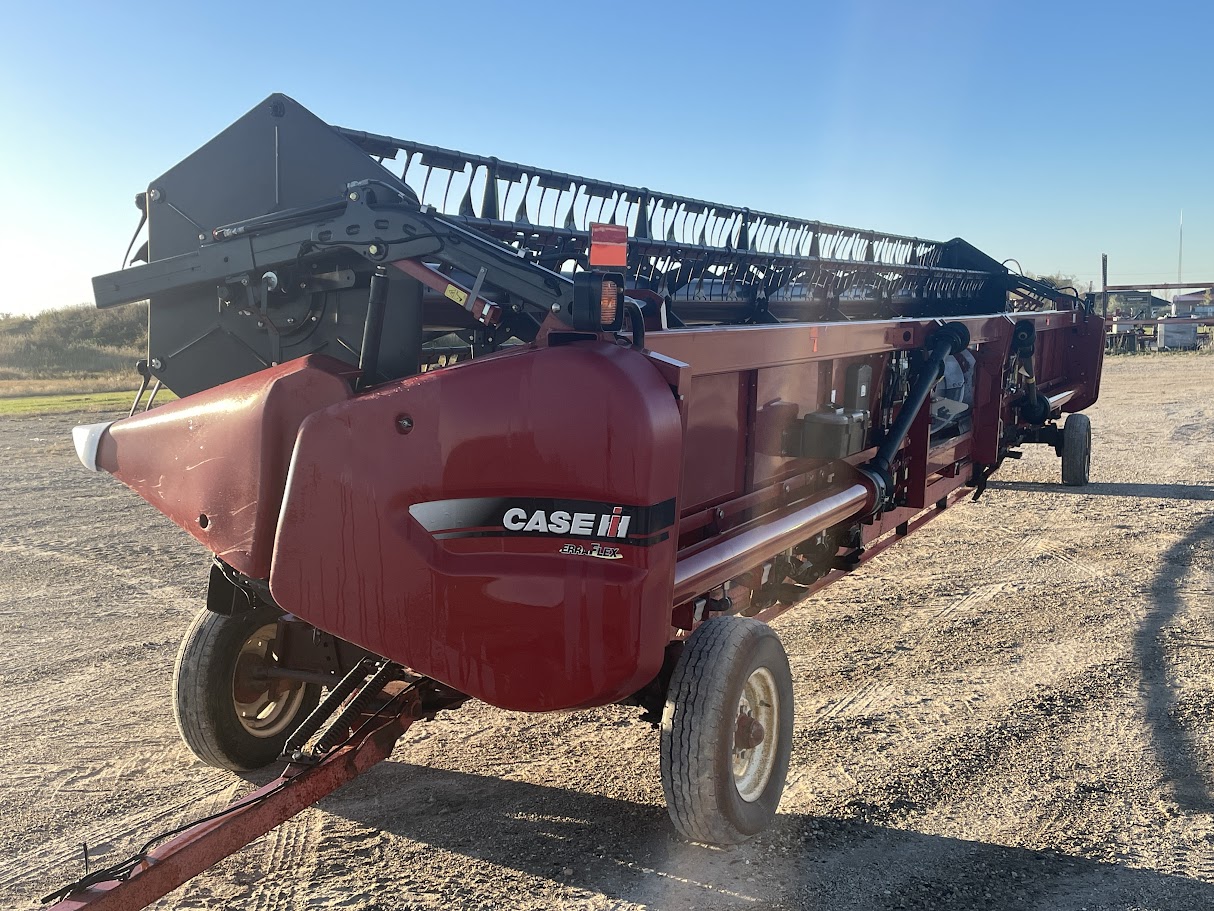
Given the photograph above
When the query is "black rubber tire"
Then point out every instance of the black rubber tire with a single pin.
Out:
(203, 685)
(698, 727)
(1076, 450)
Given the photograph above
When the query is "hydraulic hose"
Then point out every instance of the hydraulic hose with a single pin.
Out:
(953, 338)
(339, 726)
(1034, 408)
(324, 711)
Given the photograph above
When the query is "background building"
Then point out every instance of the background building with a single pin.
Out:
(1195, 303)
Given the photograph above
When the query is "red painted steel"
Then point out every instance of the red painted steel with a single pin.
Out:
(206, 843)
(515, 621)
(731, 557)
(726, 349)
(216, 462)
(536, 622)
(522, 620)
(715, 456)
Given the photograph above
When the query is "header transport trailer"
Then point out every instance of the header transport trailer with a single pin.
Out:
(454, 427)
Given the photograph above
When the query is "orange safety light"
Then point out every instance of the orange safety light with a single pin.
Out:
(609, 306)
(598, 302)
(608, 246)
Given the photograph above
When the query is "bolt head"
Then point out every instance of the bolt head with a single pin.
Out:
(156, 363)
(556, 308)
(354, 196)
(373, 249)
(202, 238)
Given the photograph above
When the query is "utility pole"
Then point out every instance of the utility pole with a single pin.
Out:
(1180, 251)
(1104, 284)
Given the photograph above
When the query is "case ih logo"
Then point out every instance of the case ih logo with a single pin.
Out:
(560, 522)
(584, 520)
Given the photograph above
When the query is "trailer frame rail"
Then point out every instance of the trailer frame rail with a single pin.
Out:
(153, 872)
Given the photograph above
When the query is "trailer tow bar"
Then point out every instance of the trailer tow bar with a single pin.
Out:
(154, 872)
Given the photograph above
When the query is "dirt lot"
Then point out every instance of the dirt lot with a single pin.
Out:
(1012, 709)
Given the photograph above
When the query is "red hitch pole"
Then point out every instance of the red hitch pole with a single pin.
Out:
(206, 843)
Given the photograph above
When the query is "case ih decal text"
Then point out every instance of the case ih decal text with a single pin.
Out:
(612, 525)
(585, 520)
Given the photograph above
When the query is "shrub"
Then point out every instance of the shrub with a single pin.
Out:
(72, 341)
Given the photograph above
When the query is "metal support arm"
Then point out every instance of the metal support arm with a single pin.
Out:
(380, 232)
(155, 872)
(953, 338)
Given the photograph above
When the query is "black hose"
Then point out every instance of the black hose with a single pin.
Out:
(1035, 409)
(323, 712)
(143, 218)
(952, 339)
(637, 318)
(336, 732)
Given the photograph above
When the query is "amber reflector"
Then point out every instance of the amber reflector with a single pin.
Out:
(609, 303)
(608, 246)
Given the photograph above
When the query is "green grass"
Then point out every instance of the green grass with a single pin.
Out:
(71, 359)
(111, 404)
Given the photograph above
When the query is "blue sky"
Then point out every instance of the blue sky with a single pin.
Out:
(1048, 132)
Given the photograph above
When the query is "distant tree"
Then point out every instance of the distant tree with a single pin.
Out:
(121, 327)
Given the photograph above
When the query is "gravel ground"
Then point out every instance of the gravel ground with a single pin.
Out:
(1012, 709)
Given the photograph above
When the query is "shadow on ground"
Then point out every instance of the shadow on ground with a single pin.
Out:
(627, 852)
(1158, 646)
(1156, 491)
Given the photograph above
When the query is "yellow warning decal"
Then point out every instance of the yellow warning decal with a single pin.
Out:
(460, 297)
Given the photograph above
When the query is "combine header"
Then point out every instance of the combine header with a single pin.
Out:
(454, 427)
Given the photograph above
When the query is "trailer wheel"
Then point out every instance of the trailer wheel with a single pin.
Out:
(1076, 450)
(228, 713)
(727, 731)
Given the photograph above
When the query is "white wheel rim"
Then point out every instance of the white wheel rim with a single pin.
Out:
(753, 764)
(265, 706)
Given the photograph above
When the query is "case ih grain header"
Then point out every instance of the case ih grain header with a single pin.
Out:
(454, 427)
